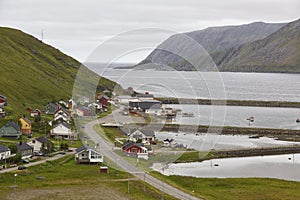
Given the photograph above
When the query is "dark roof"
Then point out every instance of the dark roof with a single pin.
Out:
(24, 146)
(168, 140)
(64, 110)
(148, 132)
(62, 123)
(128, 145)
(83, 148)
(13, 124)
(26, 120)
(3, 148)
(42, 140)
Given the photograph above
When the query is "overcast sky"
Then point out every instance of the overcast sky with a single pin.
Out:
(77, 27)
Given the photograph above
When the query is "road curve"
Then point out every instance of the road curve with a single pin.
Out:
(106, 148)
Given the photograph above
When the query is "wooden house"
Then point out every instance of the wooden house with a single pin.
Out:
(63, 130)
(87, 154)
(25, 150)
(103, 99)
(4, 152)
(37, 143)
(26, 125)
(135, 149)
(35, 113)
(10, 129)
(142, 135)
(3, 101)
(51, 108)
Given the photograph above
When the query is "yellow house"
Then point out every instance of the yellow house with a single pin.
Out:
(25, 125)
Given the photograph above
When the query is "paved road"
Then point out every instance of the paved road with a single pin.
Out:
(38, 162)
(106, 149)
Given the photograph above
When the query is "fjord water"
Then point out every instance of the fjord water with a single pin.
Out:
(238, 86)
(264, 117)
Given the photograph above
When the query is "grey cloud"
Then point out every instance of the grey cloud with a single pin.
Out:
(76, 27)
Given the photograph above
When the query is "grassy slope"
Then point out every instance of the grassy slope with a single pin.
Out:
(33, 73)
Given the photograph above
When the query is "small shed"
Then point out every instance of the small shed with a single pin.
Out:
(104, 169)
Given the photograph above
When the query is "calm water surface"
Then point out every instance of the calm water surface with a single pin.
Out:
(241, 86)
(264, 117)
(279, 166)
(206, 142)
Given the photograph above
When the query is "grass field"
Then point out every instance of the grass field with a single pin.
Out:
(235, 188)
(63, 179)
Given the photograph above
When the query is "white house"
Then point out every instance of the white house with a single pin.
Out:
(37, 143)
(87, 154)
(4, 152)
(63, 130)
(61, 117)
(62, 112)
(145, 136)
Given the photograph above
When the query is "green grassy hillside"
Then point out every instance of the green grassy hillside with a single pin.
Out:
(34, 73)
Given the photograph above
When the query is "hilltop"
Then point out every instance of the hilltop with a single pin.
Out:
(34, 73)
(255, 47)
(279, 52)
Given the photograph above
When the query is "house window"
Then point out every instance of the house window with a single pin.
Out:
(95, 155)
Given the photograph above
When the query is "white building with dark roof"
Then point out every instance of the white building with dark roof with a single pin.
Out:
(64, 131)
(87, 154)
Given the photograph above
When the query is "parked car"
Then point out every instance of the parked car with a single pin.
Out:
(25, 160)
(37, 153)
(21, 167)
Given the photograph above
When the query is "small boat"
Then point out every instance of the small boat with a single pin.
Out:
(250, 119)
(298, 120)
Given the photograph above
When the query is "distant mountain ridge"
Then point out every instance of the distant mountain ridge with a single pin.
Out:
(223, 45)
(279, 52)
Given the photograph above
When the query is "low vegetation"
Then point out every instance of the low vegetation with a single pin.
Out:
(63, 179)
(235, 188)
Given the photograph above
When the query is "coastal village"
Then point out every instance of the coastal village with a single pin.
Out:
(52, 130)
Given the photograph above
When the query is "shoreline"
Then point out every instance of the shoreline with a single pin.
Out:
(193, 156)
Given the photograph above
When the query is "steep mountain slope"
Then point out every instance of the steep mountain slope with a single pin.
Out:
(33, 73)
(214, 39)
(279, 52)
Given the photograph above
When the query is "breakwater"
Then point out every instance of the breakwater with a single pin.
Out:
(229, 130)
(286, 104)
(257, 151)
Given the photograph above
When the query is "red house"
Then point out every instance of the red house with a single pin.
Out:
(35, 112)
(103, 99)
(135, 149)
(3, 100)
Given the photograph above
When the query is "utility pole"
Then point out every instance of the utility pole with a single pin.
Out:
(15, 187)
(128, 184)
